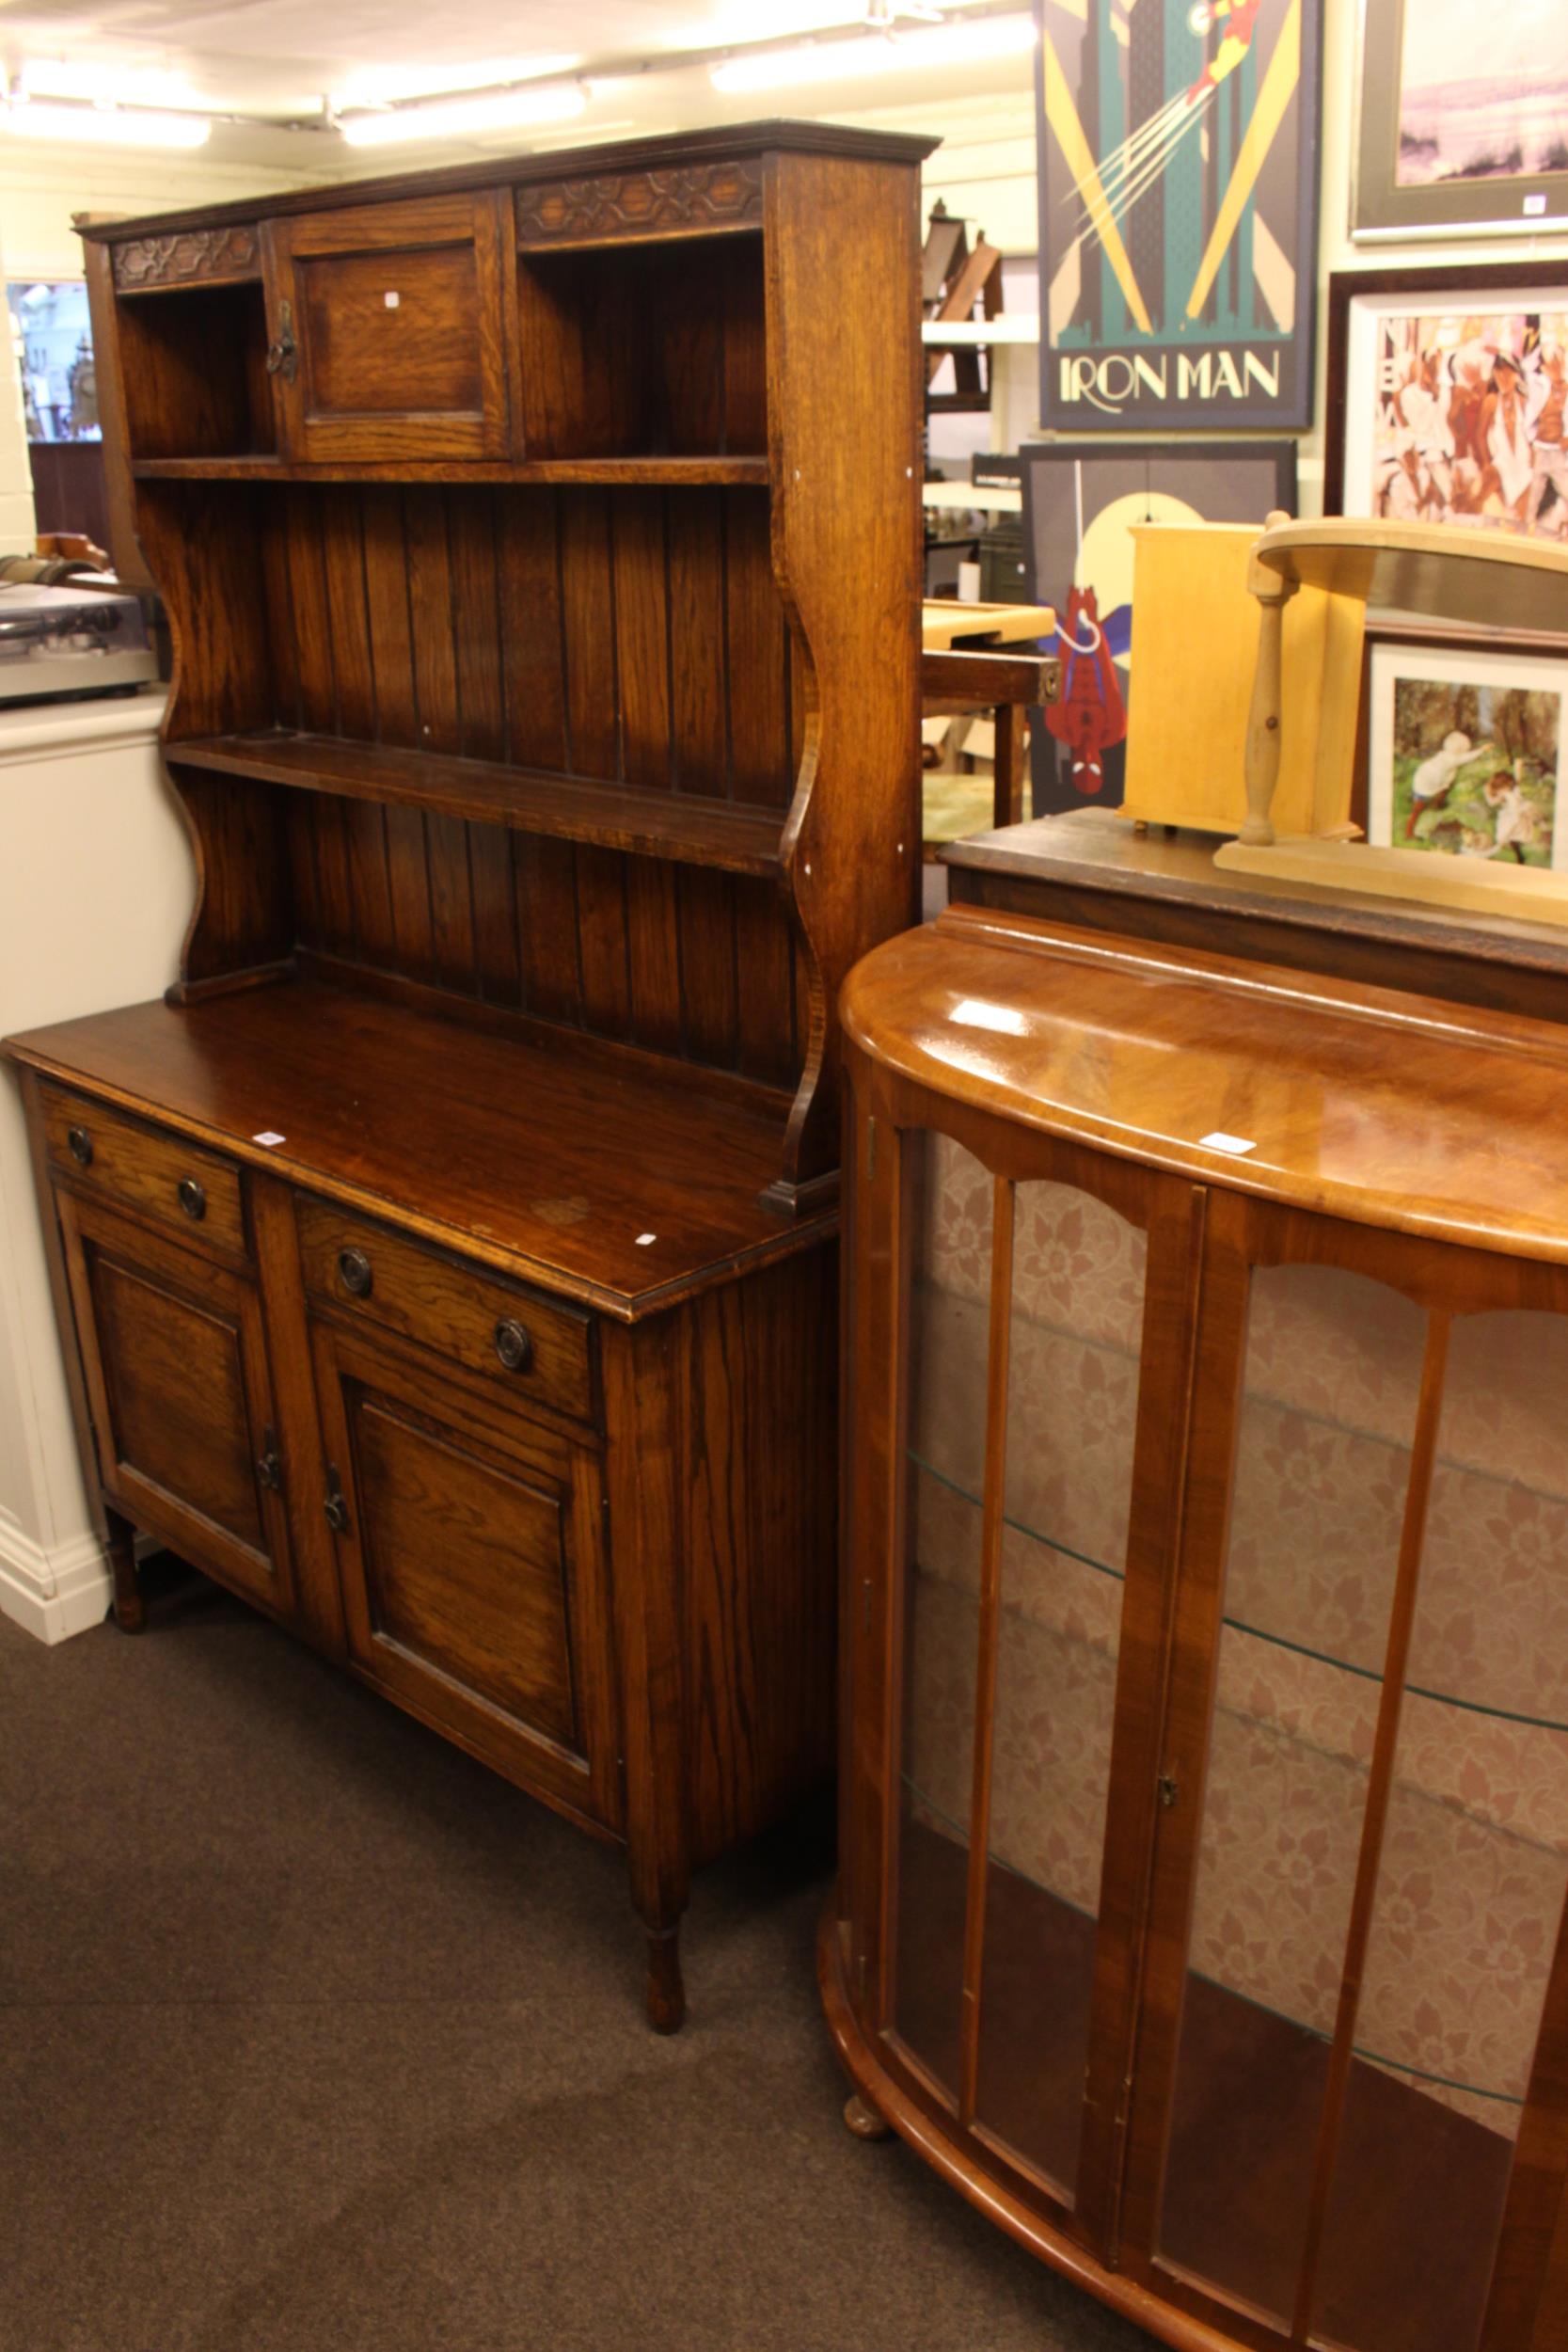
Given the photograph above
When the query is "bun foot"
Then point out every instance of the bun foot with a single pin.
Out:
(666, 1990)
(863, 2121)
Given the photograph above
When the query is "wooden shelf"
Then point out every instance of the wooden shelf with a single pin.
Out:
(669, 472)
(723, 835)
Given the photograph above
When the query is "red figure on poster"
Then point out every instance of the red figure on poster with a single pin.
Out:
(1240, 19)
(1091, 715)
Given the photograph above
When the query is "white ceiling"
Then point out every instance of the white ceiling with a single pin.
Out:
(276, 60)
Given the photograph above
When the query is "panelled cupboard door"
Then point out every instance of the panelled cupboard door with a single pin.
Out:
(1357, 1972)
(388, 334)
(470, 1551)
(178, 1385)
(1046, 1311)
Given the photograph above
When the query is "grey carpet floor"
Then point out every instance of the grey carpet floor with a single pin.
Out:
(313, 2034)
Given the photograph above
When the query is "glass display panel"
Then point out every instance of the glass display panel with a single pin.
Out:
(1072, 1403)
(948, 1319)
(1474, 1868)
(1331, 1389)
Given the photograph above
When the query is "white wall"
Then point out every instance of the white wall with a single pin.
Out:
(96, 885)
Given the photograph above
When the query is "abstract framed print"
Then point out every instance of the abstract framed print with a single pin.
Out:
(1462, 125)
(1464, 753)
(1177, 188)
(1448, 397)
(1080, 502)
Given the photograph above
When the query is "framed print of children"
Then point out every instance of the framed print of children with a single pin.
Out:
(1464, 753)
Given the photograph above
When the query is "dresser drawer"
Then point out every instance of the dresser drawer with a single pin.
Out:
(145, 1168)
(527, 1345)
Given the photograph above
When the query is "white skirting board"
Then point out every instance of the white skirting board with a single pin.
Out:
(52, 1595)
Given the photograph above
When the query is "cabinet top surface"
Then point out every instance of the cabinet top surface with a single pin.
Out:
(1392, 1110)
(1100, 850)
(670, 151)
(563, 1164)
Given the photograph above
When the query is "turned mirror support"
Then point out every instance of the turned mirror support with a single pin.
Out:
(1265, 725)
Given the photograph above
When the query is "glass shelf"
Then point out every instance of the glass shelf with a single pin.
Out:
(1396, 2067)
(1257, 1633)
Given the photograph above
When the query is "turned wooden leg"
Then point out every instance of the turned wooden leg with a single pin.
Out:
(863, 2121)
(121, 1545)
(666, 1989)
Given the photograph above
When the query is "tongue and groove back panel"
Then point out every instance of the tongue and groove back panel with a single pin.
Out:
(630, 635)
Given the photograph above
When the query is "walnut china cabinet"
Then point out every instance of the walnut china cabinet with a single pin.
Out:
(448, 1266)
(1205, 1735)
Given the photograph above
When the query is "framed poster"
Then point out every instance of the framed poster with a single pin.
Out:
(1448, 397)
(1464, 751)
(1080, 504)
(1462, 122)
(1177, 180)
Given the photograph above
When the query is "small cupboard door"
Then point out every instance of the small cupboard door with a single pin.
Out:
(470, 1551)
(177, 1378)
(387, 331)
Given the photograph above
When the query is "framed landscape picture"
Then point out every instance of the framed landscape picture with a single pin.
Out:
(1448, 397)
(1463, 122)
(1464, 753)
(1081, 502)
(1178, 189)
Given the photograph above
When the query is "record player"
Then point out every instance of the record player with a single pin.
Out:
(72, 640)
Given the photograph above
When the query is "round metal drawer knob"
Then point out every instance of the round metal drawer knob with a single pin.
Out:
(193, 1198)
(354, 1272)
(514, 1346)
(80, 1146)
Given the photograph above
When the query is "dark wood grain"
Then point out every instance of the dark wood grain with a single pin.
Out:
(437, 1122)
(473, 1569)
(709, 833)
(397, 312)
(445, 1306)
(176, 1371)
(505, 573)
(674, 472)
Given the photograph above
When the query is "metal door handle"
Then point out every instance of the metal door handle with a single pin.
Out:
(283, 355)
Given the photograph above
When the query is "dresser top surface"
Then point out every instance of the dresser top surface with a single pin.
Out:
(1393, 1110)
(568, 1165)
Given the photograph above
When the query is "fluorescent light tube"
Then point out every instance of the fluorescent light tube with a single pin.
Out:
(106, 126)
(391, 85)
(452, 117)
(905, 52)
(109, 85)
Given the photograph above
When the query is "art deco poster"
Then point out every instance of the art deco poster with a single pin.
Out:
(1178, 176)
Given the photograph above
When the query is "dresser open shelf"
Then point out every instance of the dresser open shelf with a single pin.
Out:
(685, 828)
(669, 472)
(448, 1266)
